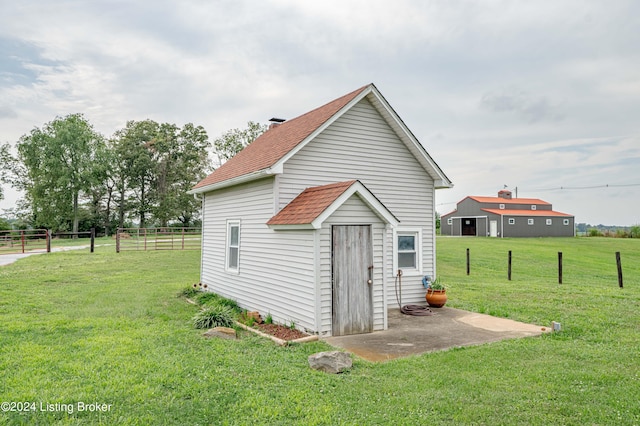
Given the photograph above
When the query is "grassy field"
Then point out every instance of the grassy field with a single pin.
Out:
(79, 328)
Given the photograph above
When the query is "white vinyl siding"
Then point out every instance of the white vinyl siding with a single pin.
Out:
(360, 145)
(352, 212)
(276, 272)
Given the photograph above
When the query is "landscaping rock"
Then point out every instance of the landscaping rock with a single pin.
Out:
(331, 362)
(220, 332)
(255, 315)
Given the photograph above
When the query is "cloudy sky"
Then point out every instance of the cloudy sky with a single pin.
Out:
(543, 96)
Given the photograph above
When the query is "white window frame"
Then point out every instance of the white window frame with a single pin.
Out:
(530, 221)
(417, 233)
(449, 221)
(565, 222)
(501, 206)
(549, 221)
(512, 221)
(534, 207)
(227, 248)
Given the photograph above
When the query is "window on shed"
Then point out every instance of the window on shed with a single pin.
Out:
(549, 222)
(533, 207)
(529, 221)
(501, 206)
(233, 246)
(512, 221)
(450, 221)
(407, 250)
(565, 221)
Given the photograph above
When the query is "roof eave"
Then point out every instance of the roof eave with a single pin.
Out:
(249, 177)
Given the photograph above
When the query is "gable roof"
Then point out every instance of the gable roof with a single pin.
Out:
(516, 212)
(266, 155)
(314, 205)
(500, 200)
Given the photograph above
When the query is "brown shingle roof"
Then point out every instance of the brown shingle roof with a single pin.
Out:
(277, 142)
(310, 204)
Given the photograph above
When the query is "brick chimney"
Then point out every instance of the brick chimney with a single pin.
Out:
(505, 193)
(275, 122)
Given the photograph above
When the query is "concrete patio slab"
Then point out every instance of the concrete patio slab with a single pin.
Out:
(446, 328)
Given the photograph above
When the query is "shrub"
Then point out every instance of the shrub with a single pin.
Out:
(189, 292)
(208, 298)
(214, 316)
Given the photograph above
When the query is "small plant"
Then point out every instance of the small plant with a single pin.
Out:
(214, 316)
(250, 321)
(207, 298)
(188, 292)
(436, 284)
(268, 319)
(292, 325)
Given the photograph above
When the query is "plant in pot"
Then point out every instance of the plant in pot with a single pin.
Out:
(436, 293)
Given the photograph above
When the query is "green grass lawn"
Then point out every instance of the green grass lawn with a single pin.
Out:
(107, 328)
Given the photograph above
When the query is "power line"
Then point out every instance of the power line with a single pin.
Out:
(563, 188)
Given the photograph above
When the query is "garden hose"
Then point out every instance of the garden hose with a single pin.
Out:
(415, 310)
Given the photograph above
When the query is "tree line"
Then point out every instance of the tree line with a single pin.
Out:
(74, 179)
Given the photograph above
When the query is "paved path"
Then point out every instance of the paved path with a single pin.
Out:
(447, 328)
(6, 259)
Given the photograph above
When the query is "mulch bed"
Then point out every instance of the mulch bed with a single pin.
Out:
(280, 331)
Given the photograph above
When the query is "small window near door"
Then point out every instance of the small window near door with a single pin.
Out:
(233, 246)
(512, 221)
(450, 221)
(407, 246)
(407, 252)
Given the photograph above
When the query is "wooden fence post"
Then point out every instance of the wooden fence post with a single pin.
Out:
(509, 269)
(117, 240)
(48, 239)
(468, 262)
(93, 238)
(619, 264)
(559, 267)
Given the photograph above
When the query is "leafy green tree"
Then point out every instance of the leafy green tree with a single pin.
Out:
(56, 167)
(155, 164)
(233, 141)
(181, 161)
(6, 162)
(135, 168)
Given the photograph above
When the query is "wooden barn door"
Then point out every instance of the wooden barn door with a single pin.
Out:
(352, 256)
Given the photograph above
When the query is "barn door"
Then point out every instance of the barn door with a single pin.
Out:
(352, 256)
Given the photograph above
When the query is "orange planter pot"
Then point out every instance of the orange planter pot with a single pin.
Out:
(436, 298)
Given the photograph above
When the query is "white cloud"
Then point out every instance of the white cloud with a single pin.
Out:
(529, 94)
